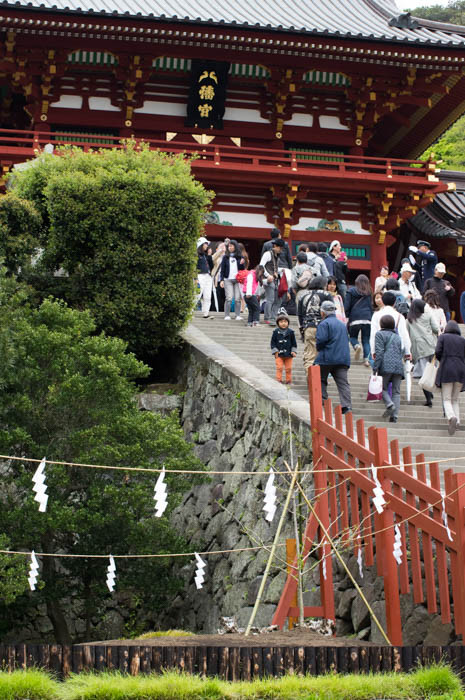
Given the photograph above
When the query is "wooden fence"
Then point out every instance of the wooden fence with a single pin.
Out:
(344, 489)
(228, 662)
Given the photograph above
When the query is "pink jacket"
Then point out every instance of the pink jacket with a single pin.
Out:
(250, 284)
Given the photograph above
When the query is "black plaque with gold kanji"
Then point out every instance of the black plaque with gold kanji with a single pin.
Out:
(207, 94)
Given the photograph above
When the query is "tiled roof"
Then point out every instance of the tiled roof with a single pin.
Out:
(445, 216)
(379, 20)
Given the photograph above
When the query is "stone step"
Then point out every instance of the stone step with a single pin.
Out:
(421, 427)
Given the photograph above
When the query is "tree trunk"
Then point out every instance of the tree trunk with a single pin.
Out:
(54, 611)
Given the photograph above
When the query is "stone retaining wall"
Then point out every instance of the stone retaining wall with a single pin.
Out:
(239, 421)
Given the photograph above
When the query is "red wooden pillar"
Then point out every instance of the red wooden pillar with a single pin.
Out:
(455, 486)
(321, 493)
(378, 256)
(379, 446)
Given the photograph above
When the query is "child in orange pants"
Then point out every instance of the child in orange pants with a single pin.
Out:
(283, 347)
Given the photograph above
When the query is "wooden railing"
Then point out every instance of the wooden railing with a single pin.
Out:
(26, 144)
(344, 484)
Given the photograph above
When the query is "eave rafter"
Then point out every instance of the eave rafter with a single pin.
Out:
(374, 97)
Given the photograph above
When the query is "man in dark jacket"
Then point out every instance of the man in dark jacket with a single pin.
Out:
(285, 257)
(333, 356)
(444, 288)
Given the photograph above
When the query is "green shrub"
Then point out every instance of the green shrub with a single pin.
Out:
(123, 225)
(20, 224)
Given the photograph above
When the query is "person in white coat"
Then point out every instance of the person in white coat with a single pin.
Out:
(400, 325)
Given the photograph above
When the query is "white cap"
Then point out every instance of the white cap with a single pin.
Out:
(406, 267)
(201, 241)
(332, 244)
(440, 267)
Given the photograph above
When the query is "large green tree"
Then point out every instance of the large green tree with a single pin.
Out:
(452, 12)
(68, 394)
(121, 227)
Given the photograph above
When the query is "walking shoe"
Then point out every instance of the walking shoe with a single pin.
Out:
(358, 352)
(227, 318)
(345, 409)
(288, 381)
(452, 425)
(366, 362)
(238, 318)
(267, 322)
(256, 323)
(429, 404)
(206, 316)
(388, 411)
(393, 419)
(250, 325)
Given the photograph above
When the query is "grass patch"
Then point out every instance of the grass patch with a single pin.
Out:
(434, 683)
(28, 685)
(166, 633)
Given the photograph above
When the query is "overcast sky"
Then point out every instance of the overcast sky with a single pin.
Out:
(411, 4)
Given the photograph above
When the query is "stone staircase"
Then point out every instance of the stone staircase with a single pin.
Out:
(424, 429)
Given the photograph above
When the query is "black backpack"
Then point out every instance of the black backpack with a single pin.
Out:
(402, 305)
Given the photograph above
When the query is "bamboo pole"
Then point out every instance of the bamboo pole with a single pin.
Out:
(334, 548)
(272, 551)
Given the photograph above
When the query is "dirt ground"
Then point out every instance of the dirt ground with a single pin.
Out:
(294, 638)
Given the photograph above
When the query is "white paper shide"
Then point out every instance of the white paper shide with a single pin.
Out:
(111, 575)
(39, 487)
(160, 495)
(200, 571)
(33, 571)
(269, 503)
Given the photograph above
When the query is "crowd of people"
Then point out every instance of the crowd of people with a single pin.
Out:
(400, 325)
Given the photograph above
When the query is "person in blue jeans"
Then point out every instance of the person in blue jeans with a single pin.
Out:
(358, 309)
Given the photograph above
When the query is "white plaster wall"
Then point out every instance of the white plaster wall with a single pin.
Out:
(244, 115)
(328, 122)
(68, 102)
(241, 219)
(300, 120)
(174, 109)
(103, 104)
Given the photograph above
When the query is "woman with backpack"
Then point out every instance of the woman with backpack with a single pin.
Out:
(423, 330)
(358, 309)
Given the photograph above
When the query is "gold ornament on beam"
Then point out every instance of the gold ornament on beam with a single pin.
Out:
(203, 139)
(170, 135)
(236, 140)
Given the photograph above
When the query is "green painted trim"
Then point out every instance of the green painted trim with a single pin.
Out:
(317, 77)
(92, 58)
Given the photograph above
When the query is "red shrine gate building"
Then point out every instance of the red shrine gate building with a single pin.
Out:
(305, 116)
